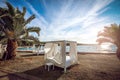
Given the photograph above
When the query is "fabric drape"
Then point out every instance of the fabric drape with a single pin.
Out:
(52, 52)
(73, 52)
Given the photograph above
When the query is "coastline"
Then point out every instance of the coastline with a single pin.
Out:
(106, 53)
(111, 53)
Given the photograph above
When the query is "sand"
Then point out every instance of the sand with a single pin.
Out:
(90, 67)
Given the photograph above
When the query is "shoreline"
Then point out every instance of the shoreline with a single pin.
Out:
(111, 53)
(29, 51)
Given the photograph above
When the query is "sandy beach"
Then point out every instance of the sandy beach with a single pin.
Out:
(90, 67)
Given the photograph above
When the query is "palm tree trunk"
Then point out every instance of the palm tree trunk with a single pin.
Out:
(10, 50)
(118, 52)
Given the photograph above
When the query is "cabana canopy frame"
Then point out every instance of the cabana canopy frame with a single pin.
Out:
(55, 52)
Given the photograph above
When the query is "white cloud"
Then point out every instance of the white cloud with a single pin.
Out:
(72, 15)
(41, 18)
(79, 21)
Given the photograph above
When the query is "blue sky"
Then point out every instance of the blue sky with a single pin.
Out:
(77, 20)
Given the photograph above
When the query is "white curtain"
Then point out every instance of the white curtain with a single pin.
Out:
(52, 52)
(58, 55)
(73, 53)
(48, 50)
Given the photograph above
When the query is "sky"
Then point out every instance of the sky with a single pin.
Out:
(76, 20)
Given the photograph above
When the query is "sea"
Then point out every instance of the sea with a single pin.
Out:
(97, 48)
(85, 48)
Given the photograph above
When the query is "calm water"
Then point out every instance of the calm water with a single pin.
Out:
(96, 48)
(84, 48)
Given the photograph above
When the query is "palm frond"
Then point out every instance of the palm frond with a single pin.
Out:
(34, 29)
(110, 34)
(10, 8)
(2, 37)
(24, 11)
(18, 11)
(12, 24)
(102, 40)
(4, 15)
(3, 41)
(29, 19)
(31, 38)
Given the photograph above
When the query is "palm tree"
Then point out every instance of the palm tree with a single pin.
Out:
(13, 28)
(111, 34)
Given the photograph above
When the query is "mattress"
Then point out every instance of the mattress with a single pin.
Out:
(68, 61)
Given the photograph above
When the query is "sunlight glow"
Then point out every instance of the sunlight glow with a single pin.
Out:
(105, 46)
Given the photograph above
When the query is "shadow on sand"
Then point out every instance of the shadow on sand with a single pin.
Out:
(45, 74)
(30, 55)
(41, 73)
(10, 76)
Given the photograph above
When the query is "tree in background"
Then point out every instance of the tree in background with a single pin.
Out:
(13, 29)
(111, 34)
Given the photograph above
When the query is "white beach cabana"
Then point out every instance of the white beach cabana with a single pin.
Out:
(55, 52)
(38, 50)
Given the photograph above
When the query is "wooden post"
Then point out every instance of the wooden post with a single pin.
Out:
(64, 55)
